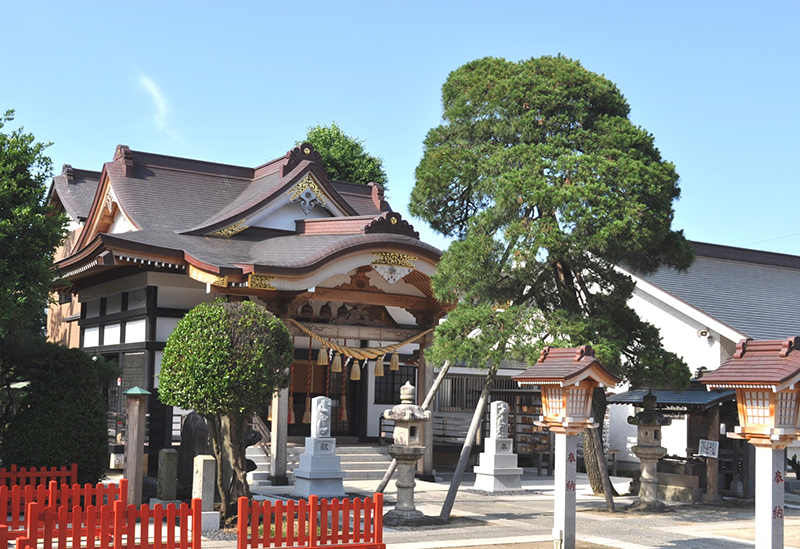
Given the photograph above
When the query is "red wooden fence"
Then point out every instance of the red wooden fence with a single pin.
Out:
(112, 527)
(352, 524)
(23, 477)
(14, 500)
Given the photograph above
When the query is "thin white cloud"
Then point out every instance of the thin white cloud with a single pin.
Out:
(161, 104)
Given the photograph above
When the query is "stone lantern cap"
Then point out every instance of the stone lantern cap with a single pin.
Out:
(768, 364)
(566, 367)
(407, 411)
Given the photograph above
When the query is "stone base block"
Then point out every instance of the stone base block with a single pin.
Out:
(320, 483)
(209, 521)
(499, 446)
(316, 446)
(164, 502)
(499, 480)
(489, 462)
(316, 462)
(396, 517)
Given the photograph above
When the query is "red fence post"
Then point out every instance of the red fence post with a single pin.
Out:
(313, 509)
(241, 524)
(378, 498)
(197, 522)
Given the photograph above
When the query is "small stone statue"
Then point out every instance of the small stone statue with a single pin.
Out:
(321, 417)
(499, 416)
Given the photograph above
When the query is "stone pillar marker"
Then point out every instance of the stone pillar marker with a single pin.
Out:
(167, 474)
(649, 451)
(134, 446)
(279, 434)
(204, 487)
(497, 470)
(204, 480)
(320, 470)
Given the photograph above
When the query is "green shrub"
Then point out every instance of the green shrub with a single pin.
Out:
(62, 420)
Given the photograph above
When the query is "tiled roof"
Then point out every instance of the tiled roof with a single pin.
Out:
(76, 190)
(176, 202)
(690, 400)
(766, 362)
(745, 289)
(566, 366)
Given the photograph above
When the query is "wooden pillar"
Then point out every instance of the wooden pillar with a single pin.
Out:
(712, 464)
(279, 438)
(134, 445)
(424, 384)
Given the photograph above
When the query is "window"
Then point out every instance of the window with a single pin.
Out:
(387, 388)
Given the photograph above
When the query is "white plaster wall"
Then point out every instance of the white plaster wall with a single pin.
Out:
(284, 218)
(91, 337)
(679, 332)
(111, 334)
(164, 327)
(181, 297)
(135, 331)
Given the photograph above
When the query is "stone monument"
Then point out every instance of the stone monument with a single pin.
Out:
(320, 470)
(497, 469)
(649, 451)
(408, 447)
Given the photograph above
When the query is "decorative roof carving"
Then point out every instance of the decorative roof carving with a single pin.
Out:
(308, 194)
(298, 154)
(124, 155)
(393, 223)
(260, 282)
(359, 282)
(230, 230)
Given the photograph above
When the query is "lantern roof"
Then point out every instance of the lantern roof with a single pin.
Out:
(566, 367)
(773, 364)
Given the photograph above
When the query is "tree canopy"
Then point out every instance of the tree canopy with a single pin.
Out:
(548, 187)
(345, 157)
(225, 361)
(30, 231)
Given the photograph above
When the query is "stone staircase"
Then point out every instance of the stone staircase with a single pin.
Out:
(359, 462)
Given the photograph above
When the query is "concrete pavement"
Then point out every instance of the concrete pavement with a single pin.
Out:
(524, 519)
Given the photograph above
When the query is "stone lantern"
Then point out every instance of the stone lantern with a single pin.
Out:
(766, 377)
(567, 378)
(408, 447)
(649, 450)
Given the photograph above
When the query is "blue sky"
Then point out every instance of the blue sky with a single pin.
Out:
(715, 82)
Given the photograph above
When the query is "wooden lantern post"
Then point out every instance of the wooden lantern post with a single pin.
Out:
(134, 445)
(766, 376)
(567, 378)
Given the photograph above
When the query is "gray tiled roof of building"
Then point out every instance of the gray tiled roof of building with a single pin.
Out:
(76, 190)
(750, 291)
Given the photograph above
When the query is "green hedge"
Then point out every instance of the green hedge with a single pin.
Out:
(62, 420)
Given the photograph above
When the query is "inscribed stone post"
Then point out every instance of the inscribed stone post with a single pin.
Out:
(204, 481)
(167, 474)
(134, 446)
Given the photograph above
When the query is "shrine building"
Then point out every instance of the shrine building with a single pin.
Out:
(152, 236)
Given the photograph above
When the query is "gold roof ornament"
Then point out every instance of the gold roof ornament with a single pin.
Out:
(230, 230)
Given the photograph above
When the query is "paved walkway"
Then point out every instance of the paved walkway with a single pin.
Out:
(524, 519)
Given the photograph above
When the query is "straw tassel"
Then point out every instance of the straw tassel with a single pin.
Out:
(379, 366)
(292, 418)
(336, 365)
(355, 371)
(394, 364)
(307, 411)
(322, 357)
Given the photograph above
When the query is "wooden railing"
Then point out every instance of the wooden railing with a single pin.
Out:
(356, 524)
(14, 476)
(114, 526)
(14, 501)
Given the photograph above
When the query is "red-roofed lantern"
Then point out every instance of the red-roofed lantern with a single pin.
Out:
(766, 376)
(567, 378)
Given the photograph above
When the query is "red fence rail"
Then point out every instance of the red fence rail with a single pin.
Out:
(116, 526)
(14, 500)
(353, 524)
(14, 476)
